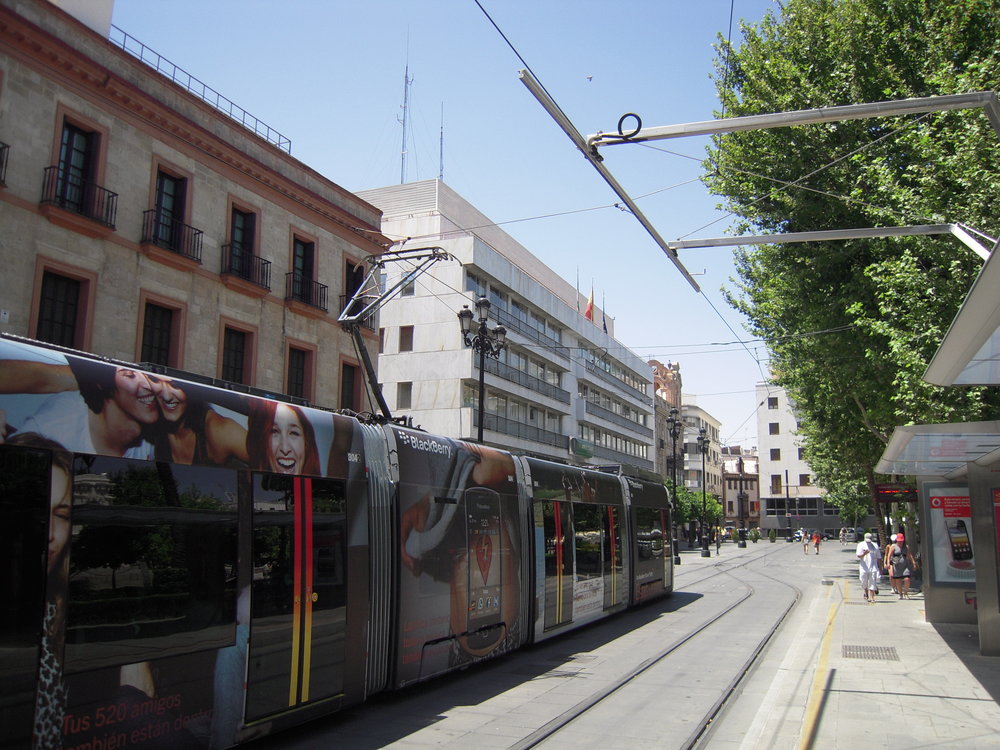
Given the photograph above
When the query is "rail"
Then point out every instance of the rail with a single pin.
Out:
(182, 78)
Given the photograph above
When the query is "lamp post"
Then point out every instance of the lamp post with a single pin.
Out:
(674, 429)
(741, 498)
(484, 341)
(703, 441)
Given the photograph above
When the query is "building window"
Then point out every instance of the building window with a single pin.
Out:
(775, 454)
(802, 454)
(409, 289)
(404, 395)
(804, 480)
(157, 333)
(773, 429)
(772, 402)
(354, 279)
(381, 340)
(349, 397)
(303, 259)
(58, 309)
(235, 346)
(299, 372)
(242, 241)
(775, 484)
(406, 338)
(77, 162)
(170, 196)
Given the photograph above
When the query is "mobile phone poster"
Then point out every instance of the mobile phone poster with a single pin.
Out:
(951, 535)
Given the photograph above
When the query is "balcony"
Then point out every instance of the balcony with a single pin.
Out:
(520, 429)
(168, 233)
(239, 262)
(613, 456)
(513, 323)
(618, 419)
(530, 382)
(606, 377)
(299, 288)
(70, 193)
(4, 148)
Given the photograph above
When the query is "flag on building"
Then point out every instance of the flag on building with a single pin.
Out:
(589, 312)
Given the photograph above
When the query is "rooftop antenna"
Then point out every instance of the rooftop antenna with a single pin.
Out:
(441, 147)
(406, 108)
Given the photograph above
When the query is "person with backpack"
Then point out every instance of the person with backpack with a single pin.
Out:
(901, 566)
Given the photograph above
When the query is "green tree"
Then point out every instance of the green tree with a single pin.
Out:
(852, 325)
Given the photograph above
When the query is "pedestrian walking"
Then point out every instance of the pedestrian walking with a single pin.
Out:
(843, 535)
(868, 563)
(805, 542)
(886, 563)
(901, 566)
(817, 539)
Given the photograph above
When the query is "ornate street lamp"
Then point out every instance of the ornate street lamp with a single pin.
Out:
(703, 442)
(741, 498)
(674, 424)
(484, 341)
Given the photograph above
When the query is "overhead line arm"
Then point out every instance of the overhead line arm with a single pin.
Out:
(985, 99)
(595, 160)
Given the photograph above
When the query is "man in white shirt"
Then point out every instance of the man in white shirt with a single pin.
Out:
(868, 558)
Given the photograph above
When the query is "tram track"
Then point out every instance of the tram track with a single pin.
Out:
(538, 697)
(701, 733)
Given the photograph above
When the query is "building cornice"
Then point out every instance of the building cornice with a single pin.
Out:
(40, 50)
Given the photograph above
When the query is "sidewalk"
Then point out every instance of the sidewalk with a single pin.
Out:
(842, 673)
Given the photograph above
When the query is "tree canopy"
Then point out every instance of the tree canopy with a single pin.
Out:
(852, 325)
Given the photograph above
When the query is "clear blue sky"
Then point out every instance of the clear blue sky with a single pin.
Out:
(328, 74)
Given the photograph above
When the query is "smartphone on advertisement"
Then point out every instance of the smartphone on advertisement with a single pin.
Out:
(485, 576)
(958, 535)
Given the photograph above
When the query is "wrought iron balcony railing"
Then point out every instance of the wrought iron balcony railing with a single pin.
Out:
(166, 232)
(238, 261)
(70, 192)
(303, 289)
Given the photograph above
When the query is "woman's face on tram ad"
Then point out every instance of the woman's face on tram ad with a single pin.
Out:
(171, 398)
(287, 446)
(60, 506)
(134, 395)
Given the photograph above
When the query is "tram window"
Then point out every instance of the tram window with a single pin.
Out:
(152, 561)
(589, 534)
(649, 533)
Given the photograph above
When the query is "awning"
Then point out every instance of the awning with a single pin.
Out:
(940, 450)
(970, 351)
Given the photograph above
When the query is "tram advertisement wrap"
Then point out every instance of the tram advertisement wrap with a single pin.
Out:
(146, 627)
(459, 550)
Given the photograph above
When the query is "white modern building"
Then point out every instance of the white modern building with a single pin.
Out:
(563, 388)
(789, 499)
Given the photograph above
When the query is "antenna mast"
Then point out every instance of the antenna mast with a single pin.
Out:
(406, 108)
(441, 147)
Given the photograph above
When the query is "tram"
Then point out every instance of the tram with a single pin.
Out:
(189, 565)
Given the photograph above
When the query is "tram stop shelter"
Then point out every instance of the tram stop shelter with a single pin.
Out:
(957, 467)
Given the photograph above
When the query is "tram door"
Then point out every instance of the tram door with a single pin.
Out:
(557, 521)
(24, 508)
(298, 595)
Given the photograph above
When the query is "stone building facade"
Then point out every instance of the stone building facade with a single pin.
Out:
(145, 223)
